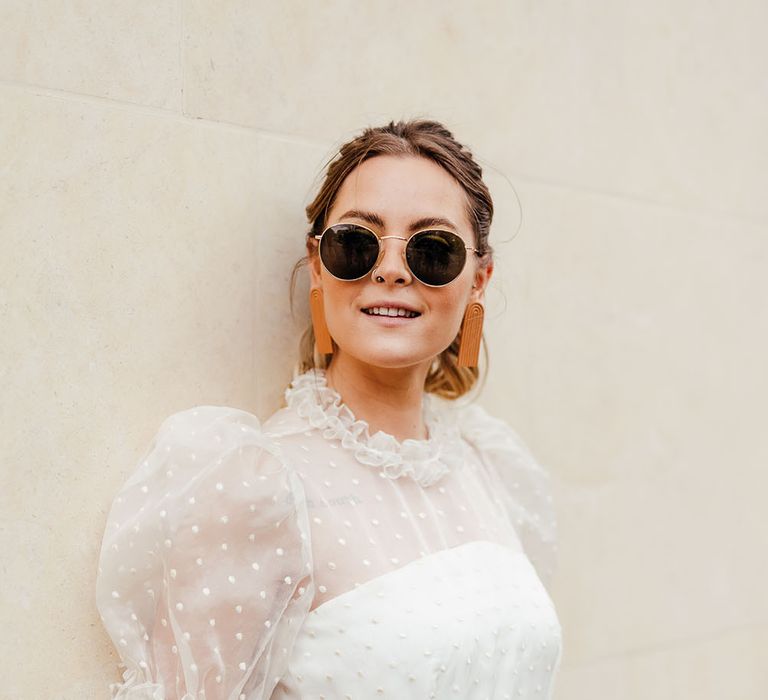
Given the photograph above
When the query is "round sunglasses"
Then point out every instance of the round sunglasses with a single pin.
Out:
(435, 257)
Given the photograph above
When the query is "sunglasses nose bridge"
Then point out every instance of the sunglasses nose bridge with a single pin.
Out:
(401, 255)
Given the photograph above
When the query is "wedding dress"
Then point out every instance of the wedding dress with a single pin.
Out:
(306, 558)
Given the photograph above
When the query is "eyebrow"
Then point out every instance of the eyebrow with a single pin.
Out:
(419, 224)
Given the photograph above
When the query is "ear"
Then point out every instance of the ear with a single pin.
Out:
(314, 264)
(482, 278)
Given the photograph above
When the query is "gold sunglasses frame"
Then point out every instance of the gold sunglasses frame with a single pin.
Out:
(319, 236)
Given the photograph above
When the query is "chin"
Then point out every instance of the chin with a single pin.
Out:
(393, 357)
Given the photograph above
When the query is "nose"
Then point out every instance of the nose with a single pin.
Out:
(392, 266)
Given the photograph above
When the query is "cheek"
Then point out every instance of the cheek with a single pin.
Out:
(448, 309)
(339, 300)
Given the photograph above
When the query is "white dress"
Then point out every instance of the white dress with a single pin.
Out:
(306, 558)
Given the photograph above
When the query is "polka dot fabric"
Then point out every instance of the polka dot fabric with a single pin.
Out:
(307, 558)
(442, 627)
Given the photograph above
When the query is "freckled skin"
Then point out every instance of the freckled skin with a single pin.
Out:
(400, 190)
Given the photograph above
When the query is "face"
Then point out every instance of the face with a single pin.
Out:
(398, 191)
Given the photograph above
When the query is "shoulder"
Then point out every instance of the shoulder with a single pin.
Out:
(209, 428)
(207, 418)
(207, 438)
(205, 462)
(502, 448)
(482, 429)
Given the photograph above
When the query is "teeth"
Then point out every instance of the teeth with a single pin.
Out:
(389, 311)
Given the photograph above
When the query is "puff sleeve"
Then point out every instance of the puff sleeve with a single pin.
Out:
(205, 572)
(519, 483)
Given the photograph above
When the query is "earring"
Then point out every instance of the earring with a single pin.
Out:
(471, 333)
(322, 336)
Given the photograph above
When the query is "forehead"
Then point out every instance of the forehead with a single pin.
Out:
(400, 189)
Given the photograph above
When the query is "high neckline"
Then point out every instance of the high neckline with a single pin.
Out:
(426, 461)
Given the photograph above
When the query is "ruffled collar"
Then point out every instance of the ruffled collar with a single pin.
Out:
(425, 461)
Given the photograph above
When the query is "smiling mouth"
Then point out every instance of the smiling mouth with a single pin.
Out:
(386, 312)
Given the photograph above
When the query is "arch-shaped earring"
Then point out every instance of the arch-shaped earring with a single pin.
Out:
(471, 333)
(322, 336)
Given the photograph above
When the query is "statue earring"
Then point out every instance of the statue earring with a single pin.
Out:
(322, 336)
(471, 333)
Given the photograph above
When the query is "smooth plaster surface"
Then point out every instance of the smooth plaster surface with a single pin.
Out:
(155, 161)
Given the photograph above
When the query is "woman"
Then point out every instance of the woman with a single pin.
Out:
(375, 537)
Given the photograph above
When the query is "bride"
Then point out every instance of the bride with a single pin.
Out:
(379, 535)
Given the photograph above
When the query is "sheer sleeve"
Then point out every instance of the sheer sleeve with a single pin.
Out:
(523, 486)
(205, 572)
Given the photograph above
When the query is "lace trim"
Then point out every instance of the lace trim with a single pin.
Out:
(425, 461)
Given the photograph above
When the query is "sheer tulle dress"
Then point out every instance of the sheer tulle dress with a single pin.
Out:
(306, 558)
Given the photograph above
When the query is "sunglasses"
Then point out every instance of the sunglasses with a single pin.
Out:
(434, 257)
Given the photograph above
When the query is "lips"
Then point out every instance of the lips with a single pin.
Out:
(390, 312)
(384, 305)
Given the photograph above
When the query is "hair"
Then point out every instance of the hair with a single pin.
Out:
(416, 137)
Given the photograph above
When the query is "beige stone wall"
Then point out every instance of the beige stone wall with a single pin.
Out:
(155, 160)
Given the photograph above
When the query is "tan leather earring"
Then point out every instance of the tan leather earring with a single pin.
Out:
(471, 333)
(322, 336)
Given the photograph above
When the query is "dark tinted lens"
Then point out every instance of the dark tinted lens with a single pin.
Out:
(436, 257)
(348, 251)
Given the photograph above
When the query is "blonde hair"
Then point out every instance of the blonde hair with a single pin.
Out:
(427, 139)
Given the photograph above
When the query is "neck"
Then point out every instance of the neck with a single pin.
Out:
(387, 398)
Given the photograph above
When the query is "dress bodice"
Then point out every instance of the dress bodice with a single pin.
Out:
(305, 557)
(470, 622)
